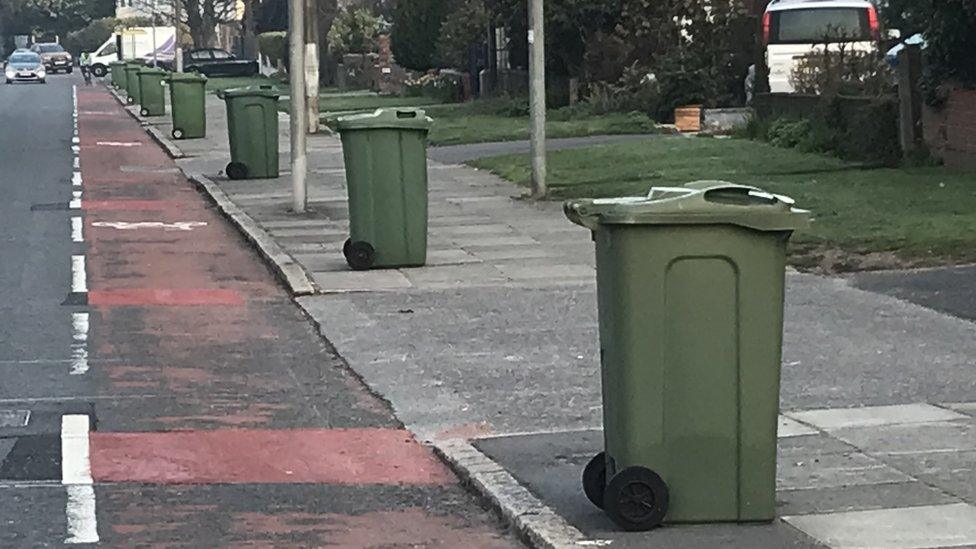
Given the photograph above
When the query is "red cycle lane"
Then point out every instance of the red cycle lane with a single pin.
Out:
(221, 416)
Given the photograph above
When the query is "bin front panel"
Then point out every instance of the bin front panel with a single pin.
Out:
(252, 125)
(132, 83)
(386, 174)
(690, 332)
(152, 94)
(118, 75)
(187, 99)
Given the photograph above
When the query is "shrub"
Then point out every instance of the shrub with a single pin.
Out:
(274, 45)
(444, 86)
(841, 72)
(849, 128)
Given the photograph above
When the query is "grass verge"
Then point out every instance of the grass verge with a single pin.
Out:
(866, 218)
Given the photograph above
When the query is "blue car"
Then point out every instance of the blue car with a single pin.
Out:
(25, 66)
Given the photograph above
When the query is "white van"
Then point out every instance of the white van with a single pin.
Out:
(795, 28)
(135, 42)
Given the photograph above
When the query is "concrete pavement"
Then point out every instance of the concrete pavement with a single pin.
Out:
(490, 354)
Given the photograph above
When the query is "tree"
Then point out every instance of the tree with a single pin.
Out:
(949, 27)
(416, 28)
(50, 17)
(354, 31)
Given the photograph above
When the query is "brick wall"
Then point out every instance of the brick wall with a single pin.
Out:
(951, 131)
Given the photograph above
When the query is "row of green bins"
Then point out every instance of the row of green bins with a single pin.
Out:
(152, 95)
(252, 127)
(385, 155)
(132, 82)
(117, 69)
(690, 287)
(187, 98)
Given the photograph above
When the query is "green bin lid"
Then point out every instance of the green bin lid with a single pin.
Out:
(250, 91)
(187, 76)
(116, 62)
(152, 70)
(409, 119)
(697, 203)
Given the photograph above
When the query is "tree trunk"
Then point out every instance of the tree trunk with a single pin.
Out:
(248, 38)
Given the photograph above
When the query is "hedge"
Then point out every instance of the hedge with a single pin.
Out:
(274, 45)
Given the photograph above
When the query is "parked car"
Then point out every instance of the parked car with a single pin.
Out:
(793, 29)
(214, 62)
(25, 66)
(54, 57)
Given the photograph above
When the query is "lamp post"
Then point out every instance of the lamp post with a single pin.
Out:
(537, 98)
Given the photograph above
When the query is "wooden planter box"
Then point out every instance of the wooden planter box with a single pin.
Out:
(688, 118)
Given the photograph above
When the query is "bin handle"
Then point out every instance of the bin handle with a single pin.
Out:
(406, 114)
(744, 196)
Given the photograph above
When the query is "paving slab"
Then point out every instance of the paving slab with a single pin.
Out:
(920, 527)
(875, 416)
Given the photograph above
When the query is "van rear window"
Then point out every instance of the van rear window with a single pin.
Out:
(820, 25)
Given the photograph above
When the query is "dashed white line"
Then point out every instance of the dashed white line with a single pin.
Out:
(79, 347)
(79, 279)
(75, 203)
(76, 476)
(77, 164)
(76, 178)
(77, 229)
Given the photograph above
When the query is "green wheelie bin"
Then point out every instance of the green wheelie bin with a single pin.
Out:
(252, 126)
(187, 97)
(152, 92)
(132, 82)
(385, 155)
(117, 70)
(690, 287)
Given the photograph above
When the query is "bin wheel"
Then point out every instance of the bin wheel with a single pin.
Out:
(236, 170)
(595, 479)
(144, 111)
(130, 100)
(636, 499)
(345, 247)
(177, 133)
(359, 255)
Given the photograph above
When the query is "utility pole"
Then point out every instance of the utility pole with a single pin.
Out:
(178, 35)
(297, 124)
(537, 98)
(152, 12)
(312, 64)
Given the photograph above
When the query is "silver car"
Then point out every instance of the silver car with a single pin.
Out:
(25, 66)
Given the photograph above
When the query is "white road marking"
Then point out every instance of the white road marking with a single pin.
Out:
(76, 476)
(75, 203)
(75, 149)
(79, 347)
(119, 143)
(77, 229)
(75, 140)
(79, 279)
(76, 178)
(130, 225)
(77, 164)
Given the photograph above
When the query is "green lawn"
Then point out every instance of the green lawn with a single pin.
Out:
(865, 218)
(496, 120)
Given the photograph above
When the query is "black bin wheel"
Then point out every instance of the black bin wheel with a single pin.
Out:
(636, 499)
(177, 133)
(359, 255)
(144, 111)
(130, 100)
(595, 479)
(236, 170)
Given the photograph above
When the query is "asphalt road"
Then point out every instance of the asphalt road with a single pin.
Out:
(35, 244)
(158, 387)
